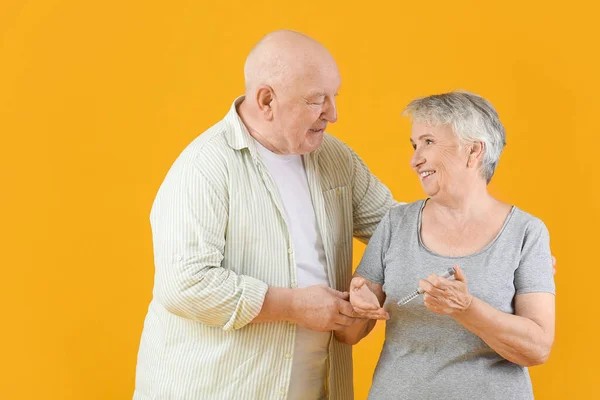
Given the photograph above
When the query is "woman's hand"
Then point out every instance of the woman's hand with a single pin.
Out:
(364, 301)
(446, 296)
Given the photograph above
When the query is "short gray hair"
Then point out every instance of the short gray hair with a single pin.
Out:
(472, 118)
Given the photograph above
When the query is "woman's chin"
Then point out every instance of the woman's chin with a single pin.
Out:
(430, 192)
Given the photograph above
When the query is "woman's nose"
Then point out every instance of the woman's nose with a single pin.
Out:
(416, 160)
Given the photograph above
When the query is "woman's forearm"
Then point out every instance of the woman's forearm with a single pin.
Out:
(518, 339)
(354, 332)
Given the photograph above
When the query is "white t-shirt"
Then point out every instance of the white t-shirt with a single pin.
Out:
(310, 350)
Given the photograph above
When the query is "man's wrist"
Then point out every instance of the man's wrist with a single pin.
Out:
(292, 309)
(276, 306)
(285, 302)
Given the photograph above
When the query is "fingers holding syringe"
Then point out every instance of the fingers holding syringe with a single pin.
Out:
(432, 303)
(450, 297)
(433, 286)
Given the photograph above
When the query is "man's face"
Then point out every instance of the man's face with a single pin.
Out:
(303, 108)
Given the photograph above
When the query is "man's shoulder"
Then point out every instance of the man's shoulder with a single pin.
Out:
(333, 146)
(210, 143)
(210, 150)
(335, 155)
(335, 163)
(209, 154)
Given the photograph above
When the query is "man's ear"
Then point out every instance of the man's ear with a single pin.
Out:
(475, 154)
(264, 98)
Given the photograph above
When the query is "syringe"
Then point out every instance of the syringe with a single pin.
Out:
(419, 291)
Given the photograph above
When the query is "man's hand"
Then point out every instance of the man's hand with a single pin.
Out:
(321, 308)
(364, 301)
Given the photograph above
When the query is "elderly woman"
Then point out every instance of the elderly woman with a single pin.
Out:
(463, 339)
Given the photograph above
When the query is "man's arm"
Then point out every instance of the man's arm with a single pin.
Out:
(371, 199)
(318, 308)
(189, 220)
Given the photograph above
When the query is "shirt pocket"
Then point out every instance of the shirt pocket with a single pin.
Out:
(338, 209)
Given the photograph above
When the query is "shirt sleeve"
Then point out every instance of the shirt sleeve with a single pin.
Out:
(371, 200)
(189, 220)
(534, 273)
(372, 266)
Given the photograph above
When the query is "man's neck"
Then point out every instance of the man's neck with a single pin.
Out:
(249, 119)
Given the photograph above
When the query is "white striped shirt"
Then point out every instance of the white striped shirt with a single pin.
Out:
(220, 239)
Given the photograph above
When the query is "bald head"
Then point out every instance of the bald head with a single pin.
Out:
(283, 57)
(291, 84)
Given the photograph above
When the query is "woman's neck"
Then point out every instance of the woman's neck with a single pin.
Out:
(466, 206)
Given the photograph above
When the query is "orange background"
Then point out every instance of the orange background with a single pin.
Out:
(98, 98)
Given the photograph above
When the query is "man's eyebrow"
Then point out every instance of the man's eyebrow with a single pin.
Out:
(316, 94)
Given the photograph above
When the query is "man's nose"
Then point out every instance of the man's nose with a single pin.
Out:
(330, 112)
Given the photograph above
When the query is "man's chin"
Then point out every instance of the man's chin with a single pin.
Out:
(313, 144)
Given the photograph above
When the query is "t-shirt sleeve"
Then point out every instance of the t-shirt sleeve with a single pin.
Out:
(535, 273)
(372, 264)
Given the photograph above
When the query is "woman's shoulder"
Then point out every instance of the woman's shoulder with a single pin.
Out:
(402, 212)
(527, 222)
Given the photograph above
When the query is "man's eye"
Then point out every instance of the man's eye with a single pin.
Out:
(428, 141)
(317, 104)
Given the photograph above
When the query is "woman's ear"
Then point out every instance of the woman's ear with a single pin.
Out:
(475, 154)
(264, 98)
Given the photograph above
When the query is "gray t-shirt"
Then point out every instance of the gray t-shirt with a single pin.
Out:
(431, 356)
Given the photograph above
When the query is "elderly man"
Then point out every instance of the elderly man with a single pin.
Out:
(252, 231)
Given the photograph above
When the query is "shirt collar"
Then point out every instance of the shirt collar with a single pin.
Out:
(237, 135)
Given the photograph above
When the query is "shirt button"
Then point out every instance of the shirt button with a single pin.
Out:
(179, 257)
(282, 392)
(294, 285)
(290, 250)
(288, 356)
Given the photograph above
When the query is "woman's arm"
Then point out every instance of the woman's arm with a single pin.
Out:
(353, 333)
(524, 338)
(367, 298)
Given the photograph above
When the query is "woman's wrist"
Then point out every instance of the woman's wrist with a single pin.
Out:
(466, 309)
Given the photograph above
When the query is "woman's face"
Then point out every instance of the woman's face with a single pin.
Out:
(439, 160)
